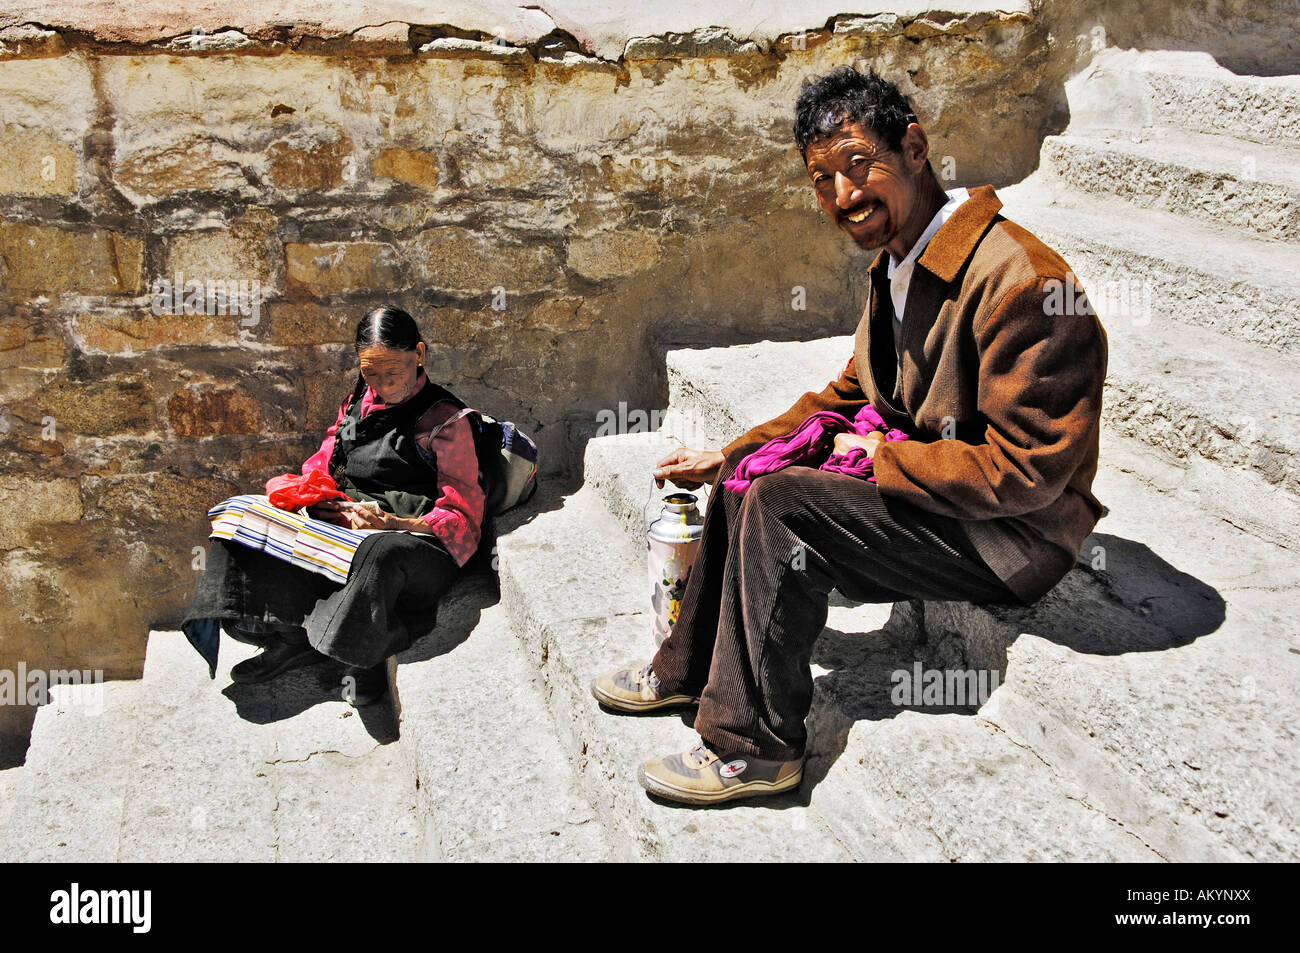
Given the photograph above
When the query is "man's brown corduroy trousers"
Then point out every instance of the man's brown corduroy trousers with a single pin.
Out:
(758, 593)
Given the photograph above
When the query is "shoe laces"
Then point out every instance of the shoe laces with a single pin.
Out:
(701, 754)
(648, 678)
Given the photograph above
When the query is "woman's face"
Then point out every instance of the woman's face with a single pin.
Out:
(391, 374)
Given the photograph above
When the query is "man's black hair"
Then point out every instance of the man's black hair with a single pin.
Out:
(844, 95)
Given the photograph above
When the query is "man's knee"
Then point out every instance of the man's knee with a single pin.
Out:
(775, 517)
(778, 494)
(814, 507)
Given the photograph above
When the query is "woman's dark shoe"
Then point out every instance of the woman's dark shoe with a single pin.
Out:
(275, 659)
(365, 686)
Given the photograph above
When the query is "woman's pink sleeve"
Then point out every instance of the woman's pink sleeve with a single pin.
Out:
(320, 460)
(457, 515)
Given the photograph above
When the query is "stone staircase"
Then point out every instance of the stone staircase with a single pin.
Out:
(1179, 212)
(1144, 712)
(177, 767)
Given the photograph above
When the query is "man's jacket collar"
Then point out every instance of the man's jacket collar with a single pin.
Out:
(955, 241)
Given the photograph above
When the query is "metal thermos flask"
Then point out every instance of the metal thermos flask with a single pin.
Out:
(671, 544)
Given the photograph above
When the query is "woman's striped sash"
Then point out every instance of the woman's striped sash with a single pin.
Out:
(314, 545)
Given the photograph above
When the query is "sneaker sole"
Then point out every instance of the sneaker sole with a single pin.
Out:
(749, 789)
(626, 706)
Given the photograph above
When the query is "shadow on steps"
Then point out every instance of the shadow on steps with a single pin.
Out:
(458, 614)
(1120, 597)
(295, 692)
(1132, 601)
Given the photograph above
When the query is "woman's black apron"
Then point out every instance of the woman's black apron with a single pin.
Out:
(391, 596)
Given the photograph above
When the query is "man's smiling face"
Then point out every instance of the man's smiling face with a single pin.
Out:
(868, 190)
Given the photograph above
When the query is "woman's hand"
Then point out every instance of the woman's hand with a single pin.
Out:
(688, 468)
(330, 511)
(363, 517)
(869, 443)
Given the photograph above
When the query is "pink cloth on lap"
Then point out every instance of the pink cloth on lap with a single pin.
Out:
(812, 444)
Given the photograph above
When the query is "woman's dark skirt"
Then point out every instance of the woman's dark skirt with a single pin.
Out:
(389, 601)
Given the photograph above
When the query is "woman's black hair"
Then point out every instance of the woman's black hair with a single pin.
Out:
(388, 327)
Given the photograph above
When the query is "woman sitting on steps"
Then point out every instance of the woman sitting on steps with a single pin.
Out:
(399, 442)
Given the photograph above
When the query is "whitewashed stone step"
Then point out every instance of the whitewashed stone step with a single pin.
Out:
(1141, 265)
(1123, 90)
(282, 771)
(574, 585)
(1213, 179)
(1190, 392)
(949, 784)
(494, 782)
(720, 392)
(68, 802)
(1174, 736)
(11, 782)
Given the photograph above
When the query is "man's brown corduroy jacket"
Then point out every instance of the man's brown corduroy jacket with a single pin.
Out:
(1002, 364)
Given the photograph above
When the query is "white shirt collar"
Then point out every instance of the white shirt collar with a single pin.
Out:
(900, 273)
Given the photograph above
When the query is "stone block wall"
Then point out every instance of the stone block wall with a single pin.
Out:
(552, 216)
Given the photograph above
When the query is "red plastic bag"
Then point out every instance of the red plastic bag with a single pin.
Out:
(289, 491)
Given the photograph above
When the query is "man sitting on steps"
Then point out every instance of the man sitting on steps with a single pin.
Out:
(963, 346)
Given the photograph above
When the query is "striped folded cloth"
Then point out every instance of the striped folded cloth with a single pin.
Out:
(315, 545)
